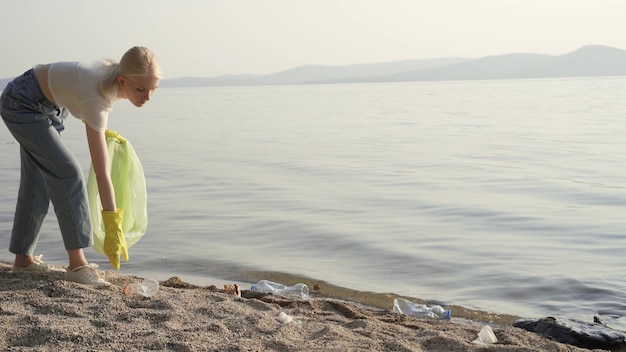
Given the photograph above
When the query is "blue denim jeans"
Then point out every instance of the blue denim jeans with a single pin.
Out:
(49, 170)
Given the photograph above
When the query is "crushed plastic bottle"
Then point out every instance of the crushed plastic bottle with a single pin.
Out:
(146, 288)
(295, 291)
(405, 307)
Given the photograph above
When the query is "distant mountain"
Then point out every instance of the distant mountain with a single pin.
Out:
(227, 80)
(314, 73)
(591, 60)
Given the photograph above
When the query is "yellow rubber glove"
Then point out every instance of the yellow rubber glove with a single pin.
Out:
(114, 240)
(110, 133)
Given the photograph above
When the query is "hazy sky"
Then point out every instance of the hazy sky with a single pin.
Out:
(214, 37)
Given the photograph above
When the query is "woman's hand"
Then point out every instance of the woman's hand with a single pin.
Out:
(114, 240)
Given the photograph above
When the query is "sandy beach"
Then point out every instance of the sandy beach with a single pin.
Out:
(42, 312)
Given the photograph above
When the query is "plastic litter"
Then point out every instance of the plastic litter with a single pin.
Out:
(486, 336)
(295, 291)
(232, 289)
(284, 318)
(130, 192)
(146, 288)
(403, 306)
(580, 333)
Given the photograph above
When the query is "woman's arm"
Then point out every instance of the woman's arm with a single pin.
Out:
(100, 161)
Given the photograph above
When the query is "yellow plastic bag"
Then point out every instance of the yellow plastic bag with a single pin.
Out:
(130, 192)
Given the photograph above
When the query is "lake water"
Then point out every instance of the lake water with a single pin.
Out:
(507, 197)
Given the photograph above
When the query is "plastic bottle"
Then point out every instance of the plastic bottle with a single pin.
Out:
(295, 291)
(403, 306)
(145, 288)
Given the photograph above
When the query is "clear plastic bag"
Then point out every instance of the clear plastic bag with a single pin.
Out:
(130, 194)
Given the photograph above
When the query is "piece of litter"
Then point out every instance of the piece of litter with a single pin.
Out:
(232, 290)
(486, 336)
(284, 318)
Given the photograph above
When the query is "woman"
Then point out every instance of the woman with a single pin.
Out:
(34, 106)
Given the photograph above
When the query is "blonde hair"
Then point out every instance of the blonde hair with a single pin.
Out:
(138, 61)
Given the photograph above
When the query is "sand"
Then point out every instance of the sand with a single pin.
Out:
(42, 312)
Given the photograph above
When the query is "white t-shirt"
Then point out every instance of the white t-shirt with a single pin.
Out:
(76, 86)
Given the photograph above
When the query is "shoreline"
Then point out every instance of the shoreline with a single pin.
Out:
(42, 312)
